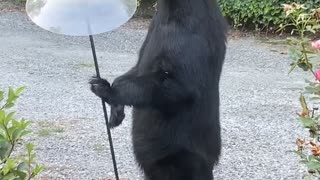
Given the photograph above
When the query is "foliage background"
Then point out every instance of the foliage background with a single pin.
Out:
(259, 14)
(249, 14)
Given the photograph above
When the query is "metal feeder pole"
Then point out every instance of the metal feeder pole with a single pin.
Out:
(104, 109)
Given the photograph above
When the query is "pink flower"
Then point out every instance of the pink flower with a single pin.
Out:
(317, 74)
(316, 44)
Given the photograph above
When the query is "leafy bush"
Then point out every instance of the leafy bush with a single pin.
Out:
(146, 8)
(304, 22)
(17, 166)
(250, 14)
(305, 55)
(259, 14)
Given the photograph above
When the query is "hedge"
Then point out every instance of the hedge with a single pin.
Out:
(250, 14)
(259, 14)
(145, 8)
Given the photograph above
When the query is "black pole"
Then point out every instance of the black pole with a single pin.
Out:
(104, 110)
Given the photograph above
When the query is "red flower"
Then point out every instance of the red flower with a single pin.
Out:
(316, 44)
(317, 74)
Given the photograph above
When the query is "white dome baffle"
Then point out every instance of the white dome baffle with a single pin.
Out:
(83, 18)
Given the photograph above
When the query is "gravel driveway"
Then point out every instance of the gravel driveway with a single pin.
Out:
(259, 101)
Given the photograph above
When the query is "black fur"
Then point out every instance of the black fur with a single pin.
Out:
(174, 91)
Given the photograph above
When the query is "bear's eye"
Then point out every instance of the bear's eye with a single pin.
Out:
(164, 75)
(167, 74)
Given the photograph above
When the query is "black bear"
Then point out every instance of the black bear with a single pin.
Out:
(174, 91)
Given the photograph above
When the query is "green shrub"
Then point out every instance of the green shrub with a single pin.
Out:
(20, 166)
(146, 8)
(259, 14)
(250, 14)
(305, 54)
